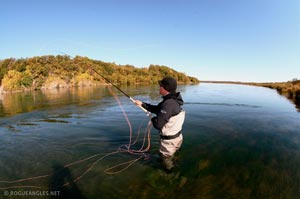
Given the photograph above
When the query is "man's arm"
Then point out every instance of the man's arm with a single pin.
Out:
(152, 108)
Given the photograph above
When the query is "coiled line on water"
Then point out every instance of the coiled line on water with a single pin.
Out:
(141, 153)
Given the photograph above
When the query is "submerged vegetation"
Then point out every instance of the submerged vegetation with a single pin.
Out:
(51, 71)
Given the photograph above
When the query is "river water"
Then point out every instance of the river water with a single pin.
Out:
(239, 142)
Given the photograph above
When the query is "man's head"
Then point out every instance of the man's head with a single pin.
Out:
(169, 84)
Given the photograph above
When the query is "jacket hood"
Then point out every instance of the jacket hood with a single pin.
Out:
(176, 96)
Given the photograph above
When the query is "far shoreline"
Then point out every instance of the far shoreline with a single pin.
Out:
(290, 89)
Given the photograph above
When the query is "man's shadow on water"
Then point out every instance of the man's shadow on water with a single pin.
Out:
(60, 176)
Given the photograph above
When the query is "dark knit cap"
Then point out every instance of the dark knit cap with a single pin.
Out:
(168, 83)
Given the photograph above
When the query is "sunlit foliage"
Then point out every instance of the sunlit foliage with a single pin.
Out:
(38, 72)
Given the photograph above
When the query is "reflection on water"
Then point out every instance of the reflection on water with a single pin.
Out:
(239, 142)
(15, 103)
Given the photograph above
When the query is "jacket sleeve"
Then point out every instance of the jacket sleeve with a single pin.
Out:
(152, 108)
(164, 114)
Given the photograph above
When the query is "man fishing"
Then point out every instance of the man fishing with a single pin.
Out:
(168, 120)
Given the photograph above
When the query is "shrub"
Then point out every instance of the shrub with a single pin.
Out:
(12, 80)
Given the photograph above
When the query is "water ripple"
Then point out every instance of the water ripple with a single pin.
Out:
(222, 104)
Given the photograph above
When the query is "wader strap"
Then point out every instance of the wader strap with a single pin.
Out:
(170, 137)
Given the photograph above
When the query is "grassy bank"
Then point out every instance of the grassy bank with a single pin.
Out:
(289, 89)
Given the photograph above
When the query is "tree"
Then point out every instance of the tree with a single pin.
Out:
(12, 80)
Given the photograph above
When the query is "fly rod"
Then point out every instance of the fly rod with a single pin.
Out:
(107, 80)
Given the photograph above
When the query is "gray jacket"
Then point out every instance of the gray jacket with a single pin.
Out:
(169, 114)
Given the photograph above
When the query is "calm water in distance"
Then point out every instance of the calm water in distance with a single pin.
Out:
(239, 142)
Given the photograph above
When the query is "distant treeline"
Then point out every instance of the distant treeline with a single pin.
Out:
(63, 71)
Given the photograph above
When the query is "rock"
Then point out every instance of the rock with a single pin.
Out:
(54, 83)
(84, 83)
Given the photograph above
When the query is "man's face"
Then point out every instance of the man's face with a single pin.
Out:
(162, 91)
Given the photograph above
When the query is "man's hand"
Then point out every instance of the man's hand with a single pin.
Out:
(138, 102)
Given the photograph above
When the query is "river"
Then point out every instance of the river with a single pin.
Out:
(239, 142)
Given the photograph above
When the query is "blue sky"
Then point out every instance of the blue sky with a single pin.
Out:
(237, 40)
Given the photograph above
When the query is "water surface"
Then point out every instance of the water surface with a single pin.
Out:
(239, 142)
